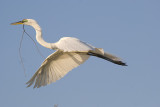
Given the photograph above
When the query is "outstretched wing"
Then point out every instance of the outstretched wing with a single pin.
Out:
(70, 44)
(56, 66)
(99, 52)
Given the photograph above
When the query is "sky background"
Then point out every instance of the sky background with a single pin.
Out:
(129, 29)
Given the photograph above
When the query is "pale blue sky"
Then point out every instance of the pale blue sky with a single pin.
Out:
(129, 29)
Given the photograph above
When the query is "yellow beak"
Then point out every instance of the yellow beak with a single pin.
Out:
(17, 23)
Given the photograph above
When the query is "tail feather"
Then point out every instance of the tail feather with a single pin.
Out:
(101, 54)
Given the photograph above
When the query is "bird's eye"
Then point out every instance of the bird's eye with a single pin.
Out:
(24, 20)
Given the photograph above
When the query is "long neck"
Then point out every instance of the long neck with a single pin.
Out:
(39, 37)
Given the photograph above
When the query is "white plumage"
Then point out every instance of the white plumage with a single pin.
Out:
(70, 44)
(70, 53)
(56, 66)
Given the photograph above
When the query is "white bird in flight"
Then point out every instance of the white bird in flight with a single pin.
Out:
(70, 53)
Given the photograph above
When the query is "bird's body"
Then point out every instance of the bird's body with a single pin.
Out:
(70, 53)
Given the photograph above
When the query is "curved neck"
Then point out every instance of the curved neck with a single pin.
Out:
(39, 37)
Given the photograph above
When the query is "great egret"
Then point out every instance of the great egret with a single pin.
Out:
(70, 53)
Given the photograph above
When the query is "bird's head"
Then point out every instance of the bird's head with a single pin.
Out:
(25, 22)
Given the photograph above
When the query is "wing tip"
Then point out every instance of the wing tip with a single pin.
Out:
(121, 63)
